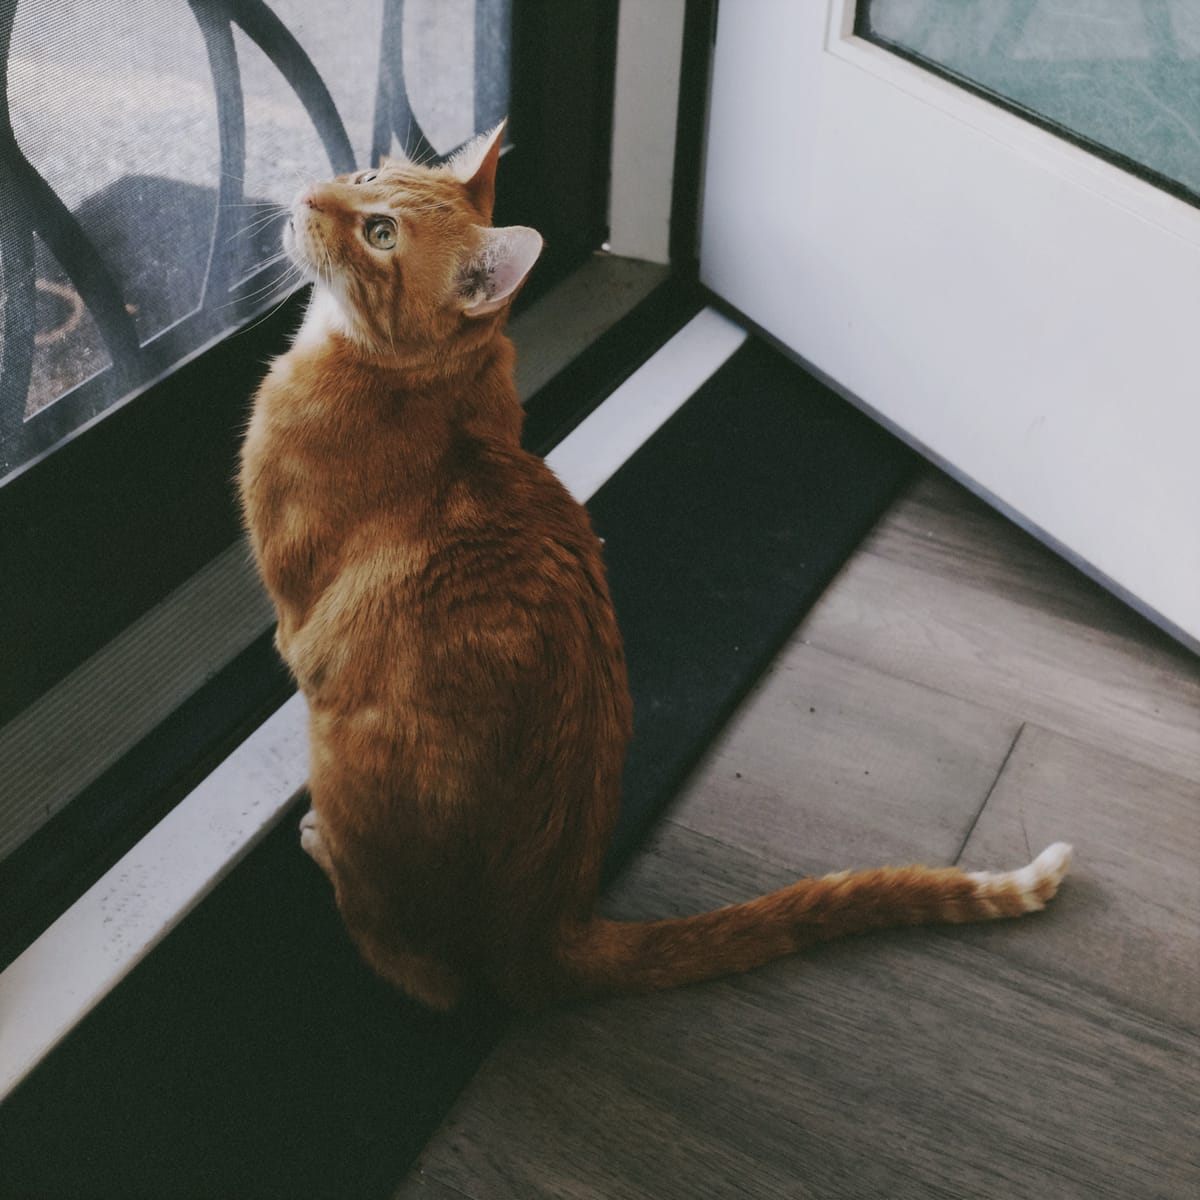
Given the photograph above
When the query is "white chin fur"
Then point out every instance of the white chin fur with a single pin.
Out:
(322, 319)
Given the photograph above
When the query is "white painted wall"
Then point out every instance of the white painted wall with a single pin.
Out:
(649, 50)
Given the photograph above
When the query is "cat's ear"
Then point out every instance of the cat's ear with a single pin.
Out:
(498, 268)
(474, 166)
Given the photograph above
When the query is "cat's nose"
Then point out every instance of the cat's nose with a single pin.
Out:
(320, 197)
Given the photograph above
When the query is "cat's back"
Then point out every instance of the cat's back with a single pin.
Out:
(509, 547)
(411, 539)
(446, 656)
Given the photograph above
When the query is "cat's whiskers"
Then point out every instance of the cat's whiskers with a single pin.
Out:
(328, 263)
(267, 315)
(266, 219)
(270, 285)
(419, 160)
(406, 149)
(292, 274)
(270, 292)
(256, 224)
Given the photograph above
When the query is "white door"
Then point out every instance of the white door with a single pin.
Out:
(1022, 311)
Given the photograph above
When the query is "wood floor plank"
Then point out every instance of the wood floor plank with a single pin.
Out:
(942, 528)
(421, 1186)
(558, 326)
(1055, 1056)
(1127, 923)
(829, 764)
(980, 645)
(904, 1065)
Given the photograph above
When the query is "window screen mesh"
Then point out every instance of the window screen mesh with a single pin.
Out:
(145, 143)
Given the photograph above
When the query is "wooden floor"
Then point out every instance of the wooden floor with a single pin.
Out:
(959, 695)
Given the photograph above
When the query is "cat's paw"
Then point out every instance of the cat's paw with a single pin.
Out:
(312, 843)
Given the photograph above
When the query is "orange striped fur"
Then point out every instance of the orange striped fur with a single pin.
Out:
(442, 603)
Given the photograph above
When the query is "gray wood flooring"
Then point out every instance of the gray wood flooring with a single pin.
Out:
(959, 695)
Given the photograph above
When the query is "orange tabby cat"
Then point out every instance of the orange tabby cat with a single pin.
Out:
(442, 604)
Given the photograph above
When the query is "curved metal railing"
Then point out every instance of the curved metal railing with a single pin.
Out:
(89, 293)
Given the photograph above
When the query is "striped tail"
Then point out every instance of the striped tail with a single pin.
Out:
(610, 957)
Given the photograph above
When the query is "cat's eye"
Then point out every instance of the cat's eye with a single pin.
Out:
(367, 177)
(380, 232)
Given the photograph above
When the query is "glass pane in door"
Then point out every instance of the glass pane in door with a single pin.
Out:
(1118, 76)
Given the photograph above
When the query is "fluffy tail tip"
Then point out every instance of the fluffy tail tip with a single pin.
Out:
(1053, 862)
(1033, 885)
(1042, 877)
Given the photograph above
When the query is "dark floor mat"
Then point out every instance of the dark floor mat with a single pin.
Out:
(252, 1055)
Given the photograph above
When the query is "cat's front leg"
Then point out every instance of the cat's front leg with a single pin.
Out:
(313, 844)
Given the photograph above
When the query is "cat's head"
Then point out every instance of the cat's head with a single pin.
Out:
(406, 255)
